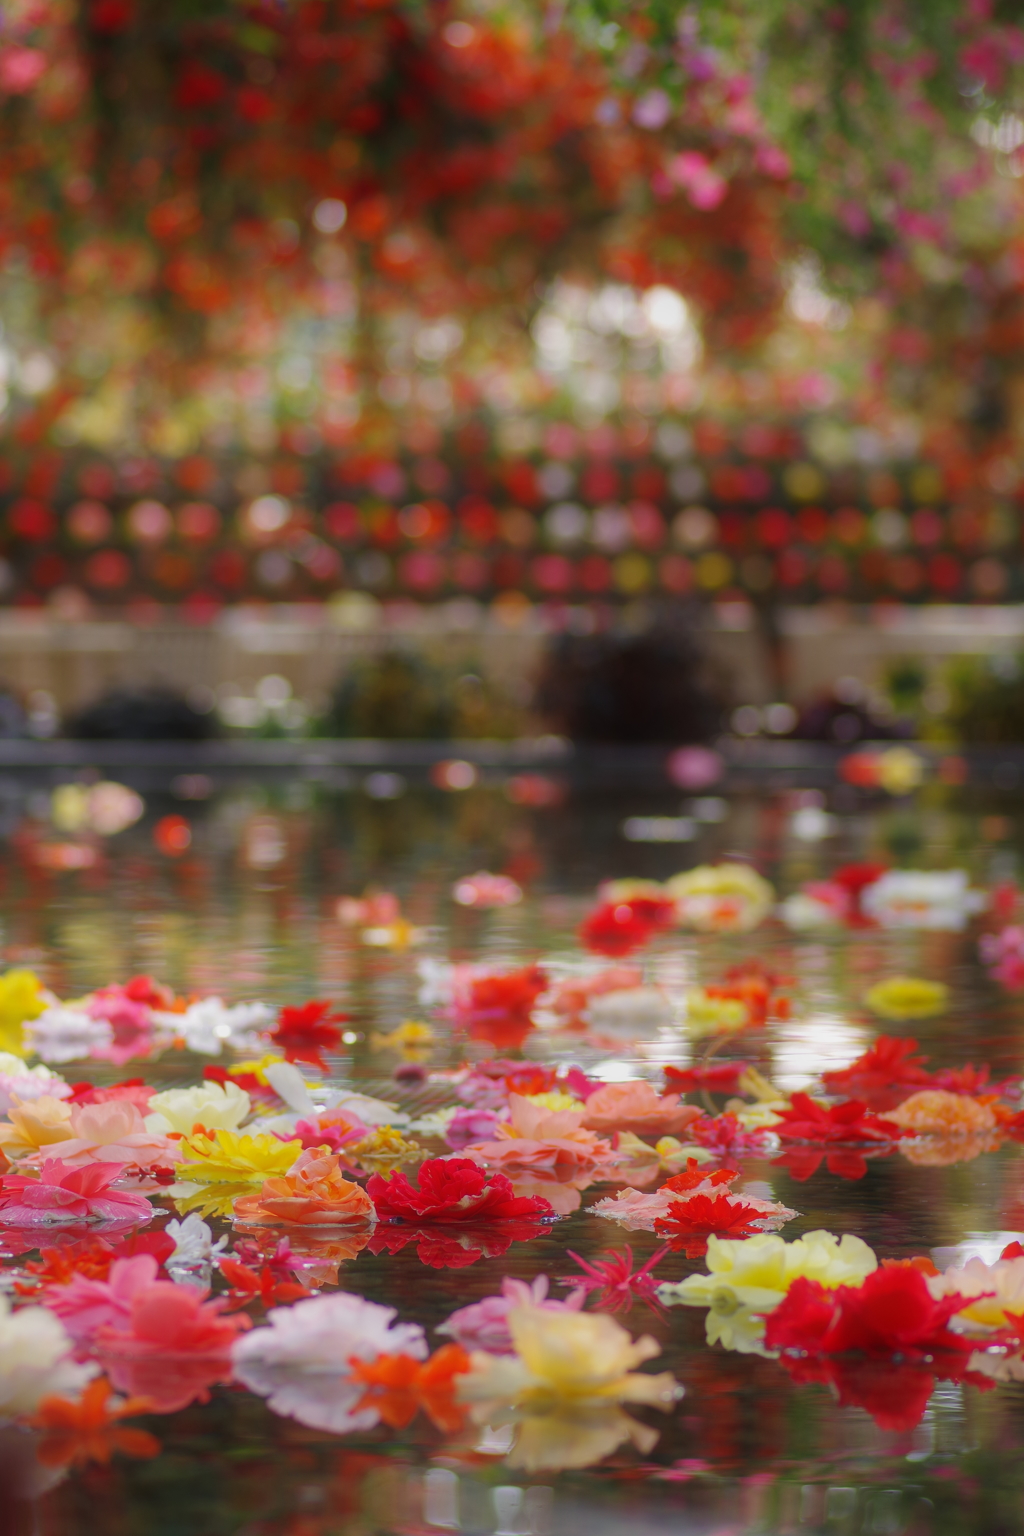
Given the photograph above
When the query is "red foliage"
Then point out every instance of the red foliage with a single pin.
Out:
(848, 1123)
(690, 1223)
(303, 1033)
(451, 1189)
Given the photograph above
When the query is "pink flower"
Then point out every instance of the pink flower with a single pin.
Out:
(484, 1325)
(469, 1125)
(130, 1020)
(486, 890)
(65, 1193)
(635, 1106)
(114, 1132)
(535, 1137)
(330, 1128)
(172, 1347)
(21, 68)
(84, 1305)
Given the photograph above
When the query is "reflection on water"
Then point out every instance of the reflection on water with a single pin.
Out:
(247, 907)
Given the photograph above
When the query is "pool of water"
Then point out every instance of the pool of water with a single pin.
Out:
(249, 909)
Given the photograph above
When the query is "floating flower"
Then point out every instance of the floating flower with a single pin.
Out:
(209, 1025)
(996, 1293)
(410, 1037)
(85, 1305)
(453, 1245)
(21, 1001)
(635, 1106)
(907, 997)
(935, 899)
(717, 1077)
(63, 1193)
(1004, 953)
(301, 1362)
(538, 1138)
(689, 1223)
(721, 898)
(67, 1034)
(883, 1075)
(215, 1106)
(849, 1123)
(113, 1132)
(618, 927)
(484, 1324)
(173, 1346)
(470, 1125)
(314, 1192)
(35, 1359)
(43, 1122)
(20, 1081)
(450, 1189)
(724, 1135)
(747, 1279)
(305, 1032)
(193, 1242)
(230, 1157)
(130, 1019)
(709, 1013)
(397, 1387)
(91, 1429)
(399, 935)
(611, 1281)
(570, 997)
(384, 1149)
(891, 1312)
(563, 1385)
(332, 1128)
(485, 890)
(936, 1112)
(900, 770)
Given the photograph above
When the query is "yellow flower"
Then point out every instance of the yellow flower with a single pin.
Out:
(555, 1100)
(34, 1124)
(907, 997)
(21, 999)
(677, 1153)
(756, 1117)
(411, 1038)
(632, 890)
(258, 1069)
(713, 1015)
(207, 1199)
(721, 897)
(227, 1157)
(383, 1150)
(208, 1104)
(749, 1277)
(397, 935)
(900, 770)
(998, 1289)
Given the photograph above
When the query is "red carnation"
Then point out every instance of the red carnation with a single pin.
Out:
(691, 1222)
(306, 1031)
(847, 1123)
(451, 1189)
(892, 1312)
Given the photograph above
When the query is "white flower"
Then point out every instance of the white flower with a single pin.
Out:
(217, 1107)
(437, 978)
(66, 1034)
(802, 911)
(300, 1362)
(17, 1077)
(35, 1359)
(193, 1241)
(436, 1122)
(917, 898)
(209, 1025)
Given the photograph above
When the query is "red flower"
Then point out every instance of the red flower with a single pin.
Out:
(620, 927)
(802, 1162)
(847, 1123)
(451, 1189)
(971, 1080)
(247, 1081)
(891, 1313)
(724, 1135)
(506, 992)
(611, 1281)
(895, 1394)
(89, 1429)
(690, 1223)
(882, 1073)
(263, 1285)
(303, 1033)
(717, 1079)
(397, 1386)
(693, 1174)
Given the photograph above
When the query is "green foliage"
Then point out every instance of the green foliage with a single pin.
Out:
(987, 700)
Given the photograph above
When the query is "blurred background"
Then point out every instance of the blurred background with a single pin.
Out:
(576, 372)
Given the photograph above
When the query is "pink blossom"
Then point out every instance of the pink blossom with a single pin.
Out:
(113, 1132)
(486, 890)
(21, 68)
(469, 1125)
(84, 1305)
(484, 1325)
(635, 1106)
(130, 1020)
(537, 1138)
(699, 180)
(63, 1193)
(172, 1347)
(333, 1128)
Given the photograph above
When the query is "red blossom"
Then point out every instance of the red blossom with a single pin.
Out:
(891, 1313)
(247, 1081)
(691, 1222)
(718, 1078)
(399, 1386)
(724, 1135)
(506, 992)
(305, 1032)
(451, 1189)
(895, 1394)
(619, 927)
(610, 1281)
(881, 1073)
(693, 1174)
(848, 1123)
(264, 1285)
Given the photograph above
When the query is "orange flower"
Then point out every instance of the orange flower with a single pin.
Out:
(397, 1386)
(314, 1192)
(635, 1106)
(88, 1430)
(934, 1112)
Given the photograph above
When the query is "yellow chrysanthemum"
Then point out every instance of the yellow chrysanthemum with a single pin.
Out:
(229, 1157)
(907, 997)
(21, 999)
